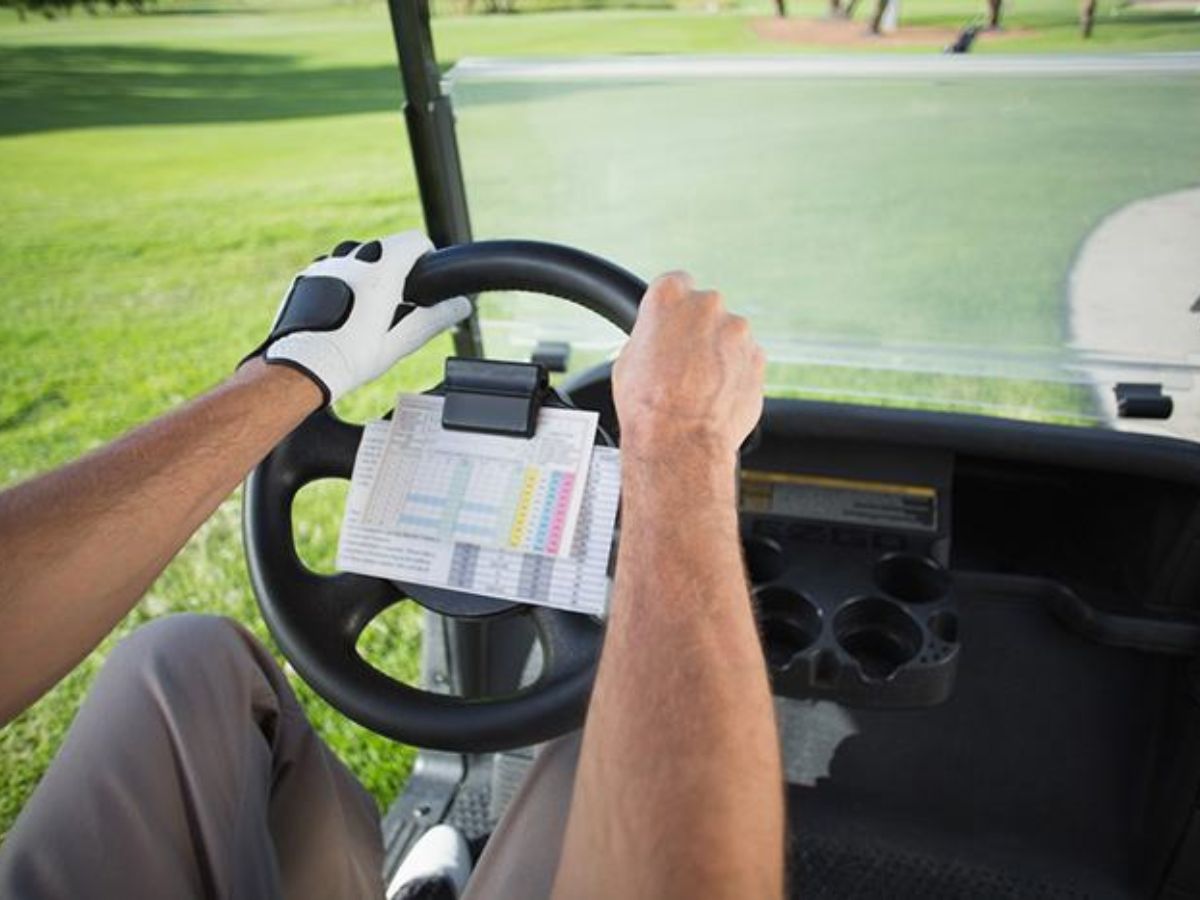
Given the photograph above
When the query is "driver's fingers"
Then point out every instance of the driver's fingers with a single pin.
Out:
(398, 254)
(670, 286)
(424, 323)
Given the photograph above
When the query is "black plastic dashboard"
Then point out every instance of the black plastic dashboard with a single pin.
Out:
(867, 531)
(891, 521)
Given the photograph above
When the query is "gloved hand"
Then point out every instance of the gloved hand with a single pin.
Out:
(343, 321)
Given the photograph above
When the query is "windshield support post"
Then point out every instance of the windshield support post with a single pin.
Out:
(429, 115)
(429, 118)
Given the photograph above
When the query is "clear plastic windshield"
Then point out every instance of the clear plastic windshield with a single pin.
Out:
(1000, 235)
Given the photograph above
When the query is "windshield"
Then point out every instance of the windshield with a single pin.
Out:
(1000, 235)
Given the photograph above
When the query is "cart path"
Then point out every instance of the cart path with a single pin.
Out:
(865, 65)
(1131, 291)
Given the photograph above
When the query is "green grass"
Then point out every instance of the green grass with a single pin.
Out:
(141, 264)
(163, 177)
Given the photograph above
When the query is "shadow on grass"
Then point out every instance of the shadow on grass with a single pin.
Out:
(44, 88)
(47, 87)
(155, 12)
(1140, 15)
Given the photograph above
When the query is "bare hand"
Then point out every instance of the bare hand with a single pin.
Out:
(691, 373)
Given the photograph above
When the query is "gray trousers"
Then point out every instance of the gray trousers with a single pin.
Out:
(191, 771)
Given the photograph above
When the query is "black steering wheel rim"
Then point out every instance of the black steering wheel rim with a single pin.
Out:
(534, 266)
(317, 619)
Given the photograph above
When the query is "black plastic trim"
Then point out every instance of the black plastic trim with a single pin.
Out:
(1090, 448)
(1172, 636)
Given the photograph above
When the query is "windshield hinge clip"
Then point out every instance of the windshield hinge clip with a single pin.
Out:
(1142, 401)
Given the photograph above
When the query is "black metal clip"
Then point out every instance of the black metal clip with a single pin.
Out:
(493, 396)
(1142, 401)
(554, 355)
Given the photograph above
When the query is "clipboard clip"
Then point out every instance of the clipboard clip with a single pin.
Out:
(493, 396)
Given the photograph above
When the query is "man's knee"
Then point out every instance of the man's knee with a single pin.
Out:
(183, 645)
(187, 637)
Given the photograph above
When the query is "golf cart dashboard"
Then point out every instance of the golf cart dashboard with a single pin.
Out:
(874, 537)
(868, 533)
(846, 554)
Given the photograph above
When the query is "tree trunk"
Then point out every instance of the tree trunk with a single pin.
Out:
(994, 14)
(781, 8)
(877, 19)
(1087, 17)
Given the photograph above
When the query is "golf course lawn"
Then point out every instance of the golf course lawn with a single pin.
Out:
(164, 175)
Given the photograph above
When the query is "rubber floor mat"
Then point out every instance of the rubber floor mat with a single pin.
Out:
(825, 869)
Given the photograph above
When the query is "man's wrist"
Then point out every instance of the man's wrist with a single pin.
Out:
(287, 386)
(653, 439)
(686, 473)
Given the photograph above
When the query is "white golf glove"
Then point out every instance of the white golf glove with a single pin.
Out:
(344, 322)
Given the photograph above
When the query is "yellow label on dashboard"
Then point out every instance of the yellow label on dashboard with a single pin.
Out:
(846, 500)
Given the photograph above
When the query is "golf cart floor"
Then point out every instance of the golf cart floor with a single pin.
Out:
(1036, 779)
(1041, 777)
(822, 867)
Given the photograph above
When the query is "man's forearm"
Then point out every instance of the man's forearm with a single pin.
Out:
(679, 776)
(81, 544)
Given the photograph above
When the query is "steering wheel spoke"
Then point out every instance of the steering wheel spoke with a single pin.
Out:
(323, 446)
(347, 603)
(569, 641)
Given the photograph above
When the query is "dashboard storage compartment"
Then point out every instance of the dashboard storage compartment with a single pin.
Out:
(911, 579)
(830, 629)
(846, 558)
(789, 623)
(764, 560)
(879, 636)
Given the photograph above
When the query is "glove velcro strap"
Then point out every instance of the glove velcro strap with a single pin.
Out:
(315, 303)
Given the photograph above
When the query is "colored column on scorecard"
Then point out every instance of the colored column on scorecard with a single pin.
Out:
(539, 524)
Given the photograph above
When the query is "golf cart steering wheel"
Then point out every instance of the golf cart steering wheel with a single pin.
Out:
(317, 619)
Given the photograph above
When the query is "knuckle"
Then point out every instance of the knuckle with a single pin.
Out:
(671, 285)
(652, 301)
(709, 303)
(738, 327)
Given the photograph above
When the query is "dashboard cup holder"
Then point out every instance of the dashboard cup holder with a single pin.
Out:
(944, 627)
(912, 579)
(764, 560)
(789, 623)
(878, 634)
